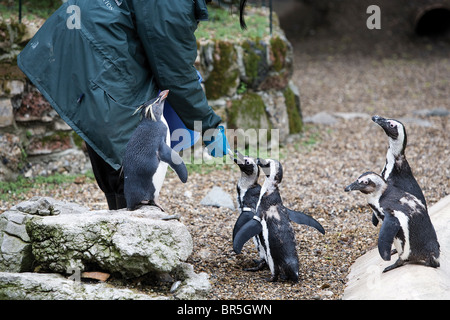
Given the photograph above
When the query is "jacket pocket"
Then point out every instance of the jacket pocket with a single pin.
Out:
(115, 83)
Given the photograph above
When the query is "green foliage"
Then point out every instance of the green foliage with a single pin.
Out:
(224, 25)
(22, 185)
(30, 9)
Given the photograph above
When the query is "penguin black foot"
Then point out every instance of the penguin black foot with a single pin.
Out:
(397, 264)
(432, 262)
(260, 265)
(152, 203)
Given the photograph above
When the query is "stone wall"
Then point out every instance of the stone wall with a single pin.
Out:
(33, 138)
(247, 82)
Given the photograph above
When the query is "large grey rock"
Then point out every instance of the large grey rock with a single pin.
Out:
(321, 118)
(15, 244)
(58, 236)
(41, 286)
(436, 112)
(129, 243)
(63, 237)
(366, 280)
(194, 286)
(217, 197)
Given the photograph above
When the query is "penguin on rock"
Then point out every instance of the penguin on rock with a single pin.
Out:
(248, 191)
(272, 225)
(406, 222)
(147, 156)
(397, 171)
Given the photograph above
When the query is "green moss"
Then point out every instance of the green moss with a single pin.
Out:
(248, 112)
(77, 140)
(253, 57)
(223, 77)
(279, 51)
(61, 136)
(251, 60)
(293, 111)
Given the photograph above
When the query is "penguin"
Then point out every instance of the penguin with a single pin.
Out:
(272, 225)
(248, 191)
(147, 155)
(396, 170)
(406, 222)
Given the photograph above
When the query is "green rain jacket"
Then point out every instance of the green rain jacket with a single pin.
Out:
(96, 61)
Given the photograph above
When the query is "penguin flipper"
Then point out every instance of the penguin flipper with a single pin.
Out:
(244, 217)
(174, 160)
(248, 231)
(302, 218)
(388, 231)
(374, 219)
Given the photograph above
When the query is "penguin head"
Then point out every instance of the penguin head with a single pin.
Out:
(247, 165)
(153, 109)
(396, 132)
(367, 183)
(271, 168)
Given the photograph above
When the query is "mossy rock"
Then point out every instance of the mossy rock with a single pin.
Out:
(293, 109)
(11, 36)
(255, 63)
(224, 77)
(248, 112)
(279, 51)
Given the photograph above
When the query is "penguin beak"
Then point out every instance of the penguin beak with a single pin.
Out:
(163, 95)
(382, 122)
(261, 162)
(353, 186)
(240, 158)
(264, 165)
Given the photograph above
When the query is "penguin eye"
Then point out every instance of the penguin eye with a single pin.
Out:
(366, 182)
(393, 125)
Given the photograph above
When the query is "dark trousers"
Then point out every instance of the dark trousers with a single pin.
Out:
(108, 179)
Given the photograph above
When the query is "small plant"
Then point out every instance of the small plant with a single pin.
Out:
(223, 25)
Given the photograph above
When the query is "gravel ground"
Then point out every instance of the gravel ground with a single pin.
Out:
(318, 165)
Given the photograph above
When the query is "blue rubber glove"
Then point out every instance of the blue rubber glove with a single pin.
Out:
(217, 145)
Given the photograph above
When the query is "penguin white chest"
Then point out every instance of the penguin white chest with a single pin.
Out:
(268, 255)
(402, 249)
(160, 174)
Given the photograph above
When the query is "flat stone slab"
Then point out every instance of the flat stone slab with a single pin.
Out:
(52, 286)
(367, 282)
(130, 243)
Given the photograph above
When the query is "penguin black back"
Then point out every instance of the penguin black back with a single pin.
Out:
(397, 171)
(406, 222)
(272, 225)
(248, 192)
(144, 153)
(247, 188)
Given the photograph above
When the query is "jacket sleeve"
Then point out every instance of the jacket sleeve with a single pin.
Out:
(166, 29)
